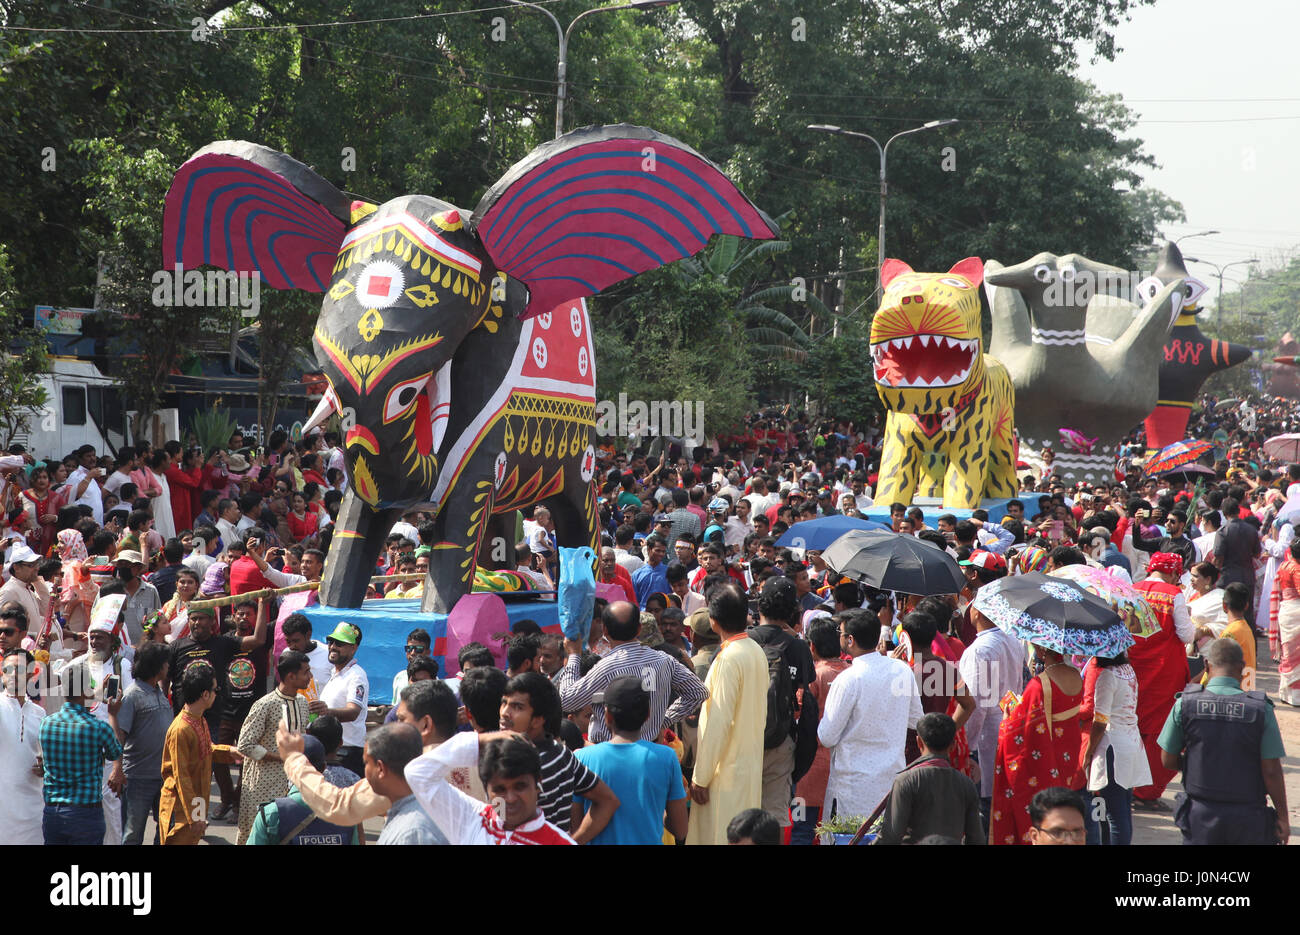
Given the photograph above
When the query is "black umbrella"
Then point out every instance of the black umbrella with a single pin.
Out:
(894, 562)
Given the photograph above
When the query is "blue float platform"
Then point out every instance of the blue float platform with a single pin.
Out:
(385, 623)
(933, 508)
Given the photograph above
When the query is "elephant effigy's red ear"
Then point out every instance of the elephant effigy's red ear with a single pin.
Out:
(970, 269)
(890, 270)
(600, 204)
(246, 208)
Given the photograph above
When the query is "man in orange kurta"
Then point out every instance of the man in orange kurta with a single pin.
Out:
(188, 754)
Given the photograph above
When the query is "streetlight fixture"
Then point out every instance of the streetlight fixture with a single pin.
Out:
(1200, 234)
(561, 68)
(884, 185)
(1218, 305)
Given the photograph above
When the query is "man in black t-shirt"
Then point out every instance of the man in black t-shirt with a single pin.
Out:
(778, 608)
(1235, 548)
(1176, 541)
(245, 675)
(218, 650)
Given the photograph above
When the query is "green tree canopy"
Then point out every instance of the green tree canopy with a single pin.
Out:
(442, 99)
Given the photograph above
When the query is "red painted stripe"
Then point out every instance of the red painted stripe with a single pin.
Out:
(364, 437)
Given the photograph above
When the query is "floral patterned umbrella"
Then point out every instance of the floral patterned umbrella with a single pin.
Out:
(1123, 598)
(1172, 457)
(1053, 613)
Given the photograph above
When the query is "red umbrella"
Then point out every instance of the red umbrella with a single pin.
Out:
(1172, 457)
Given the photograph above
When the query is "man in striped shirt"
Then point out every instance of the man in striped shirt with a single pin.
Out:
(675, 691)
(76, 744)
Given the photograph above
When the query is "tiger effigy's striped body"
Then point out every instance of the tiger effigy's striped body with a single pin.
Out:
(950, 406)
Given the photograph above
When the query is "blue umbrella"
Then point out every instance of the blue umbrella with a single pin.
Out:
(817, 534)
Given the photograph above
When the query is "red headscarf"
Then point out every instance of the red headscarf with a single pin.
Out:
(1167, 563)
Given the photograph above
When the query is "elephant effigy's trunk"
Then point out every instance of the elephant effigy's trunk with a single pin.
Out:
(358, 537)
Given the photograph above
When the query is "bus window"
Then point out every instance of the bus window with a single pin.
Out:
(74, 405)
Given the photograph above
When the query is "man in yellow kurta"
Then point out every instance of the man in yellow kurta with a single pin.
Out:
(728, 775)
(188, 752)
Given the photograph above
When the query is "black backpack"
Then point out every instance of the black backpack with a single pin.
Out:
(780, 699)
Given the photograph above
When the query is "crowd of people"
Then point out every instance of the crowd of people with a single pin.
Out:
(731, 689)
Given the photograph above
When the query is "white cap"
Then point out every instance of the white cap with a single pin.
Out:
(20, 552)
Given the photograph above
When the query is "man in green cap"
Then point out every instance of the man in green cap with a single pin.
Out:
(346, 694)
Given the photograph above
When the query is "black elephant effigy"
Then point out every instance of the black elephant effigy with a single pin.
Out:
(457, 347)
(1189, 356)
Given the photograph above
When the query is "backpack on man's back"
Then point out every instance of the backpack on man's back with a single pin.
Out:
(780, 698)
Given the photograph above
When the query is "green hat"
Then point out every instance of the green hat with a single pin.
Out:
(346, 633)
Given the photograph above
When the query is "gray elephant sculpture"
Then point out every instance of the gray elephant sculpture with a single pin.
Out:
(1084, 359)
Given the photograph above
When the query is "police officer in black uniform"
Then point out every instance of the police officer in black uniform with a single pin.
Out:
(288, 820)
(1227, 743)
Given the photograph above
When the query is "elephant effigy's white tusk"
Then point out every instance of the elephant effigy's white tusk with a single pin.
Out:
(440, 411)
(324, 409)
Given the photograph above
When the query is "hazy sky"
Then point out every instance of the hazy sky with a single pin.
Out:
(1216, 86)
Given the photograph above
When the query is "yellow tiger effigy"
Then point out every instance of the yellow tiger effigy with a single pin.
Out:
(949, 430)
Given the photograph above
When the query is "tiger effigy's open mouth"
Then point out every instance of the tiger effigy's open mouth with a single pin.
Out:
(923, 361)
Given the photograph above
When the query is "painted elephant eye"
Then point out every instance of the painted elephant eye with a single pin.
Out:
(1148, 288)
(402, 397)
(1067, 273)
(1043, 272)
(380, 284)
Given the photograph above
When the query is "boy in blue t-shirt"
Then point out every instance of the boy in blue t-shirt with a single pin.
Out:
(645, 776)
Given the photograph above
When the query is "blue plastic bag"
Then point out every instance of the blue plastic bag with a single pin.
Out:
(577, 589)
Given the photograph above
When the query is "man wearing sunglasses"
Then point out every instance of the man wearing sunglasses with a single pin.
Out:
(418, 644)
(346, 694)
(13, 627)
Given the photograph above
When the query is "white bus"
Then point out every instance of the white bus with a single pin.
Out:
(82, 407)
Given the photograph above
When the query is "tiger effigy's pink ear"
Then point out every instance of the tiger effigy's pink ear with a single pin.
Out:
(971, 268)
(891, 269)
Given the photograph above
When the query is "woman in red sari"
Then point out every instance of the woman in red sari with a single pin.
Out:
(1284, 626)
(1039, 744)
(42, 504)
